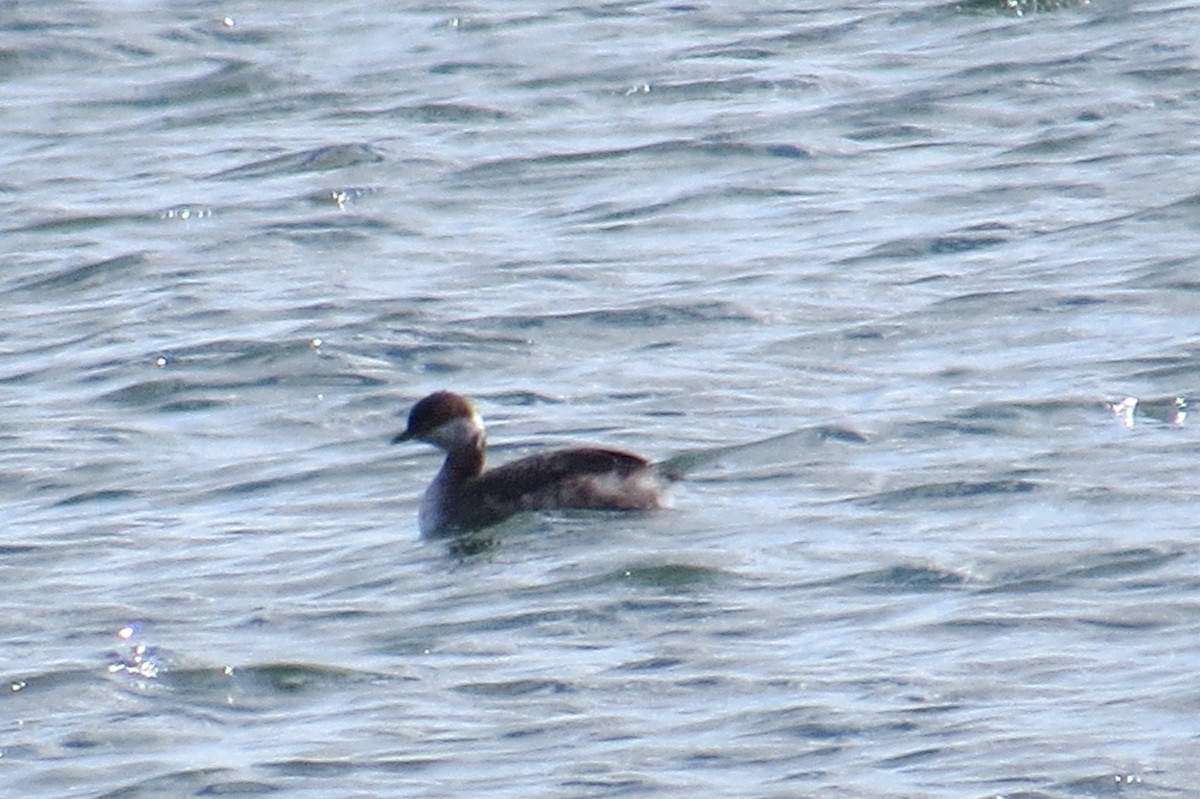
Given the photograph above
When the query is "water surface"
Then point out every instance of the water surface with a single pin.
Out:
(934, 263)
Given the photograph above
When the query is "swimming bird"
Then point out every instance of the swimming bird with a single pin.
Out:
(463, 497)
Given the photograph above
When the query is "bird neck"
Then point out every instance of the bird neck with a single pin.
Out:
(465, 461)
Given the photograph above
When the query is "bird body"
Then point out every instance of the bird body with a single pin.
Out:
(464, 497)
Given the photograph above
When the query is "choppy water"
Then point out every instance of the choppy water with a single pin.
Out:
(916, 251)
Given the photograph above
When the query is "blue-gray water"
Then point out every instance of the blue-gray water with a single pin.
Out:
(916, 250)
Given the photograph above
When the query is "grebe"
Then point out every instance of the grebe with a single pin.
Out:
(463, 497)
